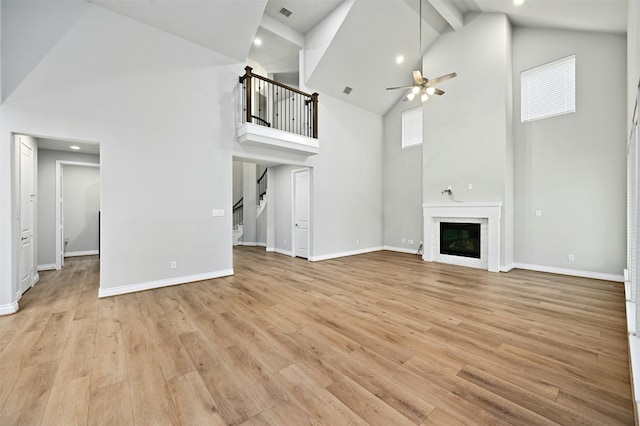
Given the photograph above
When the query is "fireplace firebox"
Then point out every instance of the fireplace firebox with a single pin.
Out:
(460, 239)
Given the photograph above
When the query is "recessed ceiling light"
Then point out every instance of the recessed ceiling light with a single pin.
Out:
(285, 12)
(399, 59)
(75, 147)
(518, 2)
(257, 41)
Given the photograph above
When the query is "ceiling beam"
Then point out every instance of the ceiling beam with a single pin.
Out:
(449, 12)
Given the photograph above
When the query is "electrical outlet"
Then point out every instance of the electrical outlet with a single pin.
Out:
(470, 186)
(410, 241)
(174, 264)
(357, 242)
(284, 241)
(404, 240)
(571, 257)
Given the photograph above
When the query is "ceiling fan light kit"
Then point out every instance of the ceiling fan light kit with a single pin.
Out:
(422, 85)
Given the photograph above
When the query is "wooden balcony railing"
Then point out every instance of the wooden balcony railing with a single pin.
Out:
(268, 103)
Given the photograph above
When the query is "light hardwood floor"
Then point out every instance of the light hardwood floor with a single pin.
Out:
(381, 338)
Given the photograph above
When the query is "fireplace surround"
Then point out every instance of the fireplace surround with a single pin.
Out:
(487, 214)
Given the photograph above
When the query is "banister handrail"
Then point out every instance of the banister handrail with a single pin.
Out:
(238, 204)
(238, 212)
(277, 105)
(248, 73)
(262, 185)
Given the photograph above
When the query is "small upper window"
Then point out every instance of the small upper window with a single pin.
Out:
(412, 127)
(548, 90)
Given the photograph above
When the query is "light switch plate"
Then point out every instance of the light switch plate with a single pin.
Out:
(217, 212)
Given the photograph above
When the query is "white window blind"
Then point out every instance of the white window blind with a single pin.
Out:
(412, 127)
(548, 90)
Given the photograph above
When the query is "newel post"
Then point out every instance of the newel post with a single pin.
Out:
(247, 77)
(314, 99)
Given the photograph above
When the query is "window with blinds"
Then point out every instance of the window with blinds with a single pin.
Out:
(548, 90)
(412, 127)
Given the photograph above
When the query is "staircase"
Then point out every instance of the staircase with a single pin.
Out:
(238, 210)
(237, 234)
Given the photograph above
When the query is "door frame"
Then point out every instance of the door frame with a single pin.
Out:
(17, 202)
(293, 209)
(59, 214)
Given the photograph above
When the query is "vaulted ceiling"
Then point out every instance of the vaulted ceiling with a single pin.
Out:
(351, 43)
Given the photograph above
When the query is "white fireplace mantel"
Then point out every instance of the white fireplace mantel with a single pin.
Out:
(492, 211)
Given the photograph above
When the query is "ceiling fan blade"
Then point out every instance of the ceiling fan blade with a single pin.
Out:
(401, 87)
(438, 92)
(442, 78)
(417, 78)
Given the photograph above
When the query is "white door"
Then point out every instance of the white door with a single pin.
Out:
(26, 217)
(301, 213)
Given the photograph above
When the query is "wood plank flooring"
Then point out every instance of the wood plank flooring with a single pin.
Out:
(381, 339)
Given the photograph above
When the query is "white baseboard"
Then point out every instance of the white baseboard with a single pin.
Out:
(9, 308)
(81, 253)
(281, 251)
(36, 278)
(248, 243)
(270, 249)
(261, 245)
(344, 254)
(572, 272)
(132, 288)
(634, 355)
(47, 267)
(401, 250)
(507, 268)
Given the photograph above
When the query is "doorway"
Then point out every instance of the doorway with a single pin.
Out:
(284, 201)
(35, 199)
(300, 202)
(77, 210)
(28, 274)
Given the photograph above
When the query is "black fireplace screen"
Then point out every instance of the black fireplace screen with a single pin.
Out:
(460, 239)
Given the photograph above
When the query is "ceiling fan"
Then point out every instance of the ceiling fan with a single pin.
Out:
(423, 86)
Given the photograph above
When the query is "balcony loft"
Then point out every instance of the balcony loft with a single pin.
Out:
(277, 116)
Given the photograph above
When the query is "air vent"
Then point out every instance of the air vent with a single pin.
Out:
(347, 90)
(286, 12)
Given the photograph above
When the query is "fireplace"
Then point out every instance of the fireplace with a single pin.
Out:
(487, 214)
(460, 239)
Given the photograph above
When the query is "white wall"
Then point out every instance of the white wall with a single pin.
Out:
(47, 199)
(160, 107)
(238, 181)
(81, 204)
(572, 167)
(402, 184)
(633, 59)
(38, 25)
(467, 138)
(250, 204)
(280, 195)
(347, 180)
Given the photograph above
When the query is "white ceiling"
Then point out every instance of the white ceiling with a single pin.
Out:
(65, 145)
(305, 13)
(226, 26)
(362, 53)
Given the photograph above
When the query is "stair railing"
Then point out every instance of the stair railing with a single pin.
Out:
(238, 212)
(262, 185)
(269, 103)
